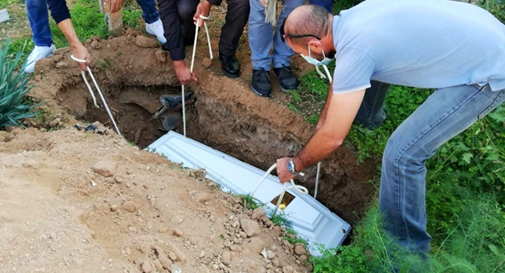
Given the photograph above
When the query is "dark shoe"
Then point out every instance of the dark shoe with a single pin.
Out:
(288, 80)
(170, 123)
(172, 103)
(230, 65)
(261, 84)
(165, 47)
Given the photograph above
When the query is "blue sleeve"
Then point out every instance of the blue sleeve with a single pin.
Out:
(353, 70)
(59, 10)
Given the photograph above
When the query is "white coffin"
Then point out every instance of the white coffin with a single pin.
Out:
(310, 219)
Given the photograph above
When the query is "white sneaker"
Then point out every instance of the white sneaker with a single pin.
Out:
(156, 28)
(38, 53)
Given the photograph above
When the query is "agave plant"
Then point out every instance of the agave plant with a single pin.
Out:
(13, 88)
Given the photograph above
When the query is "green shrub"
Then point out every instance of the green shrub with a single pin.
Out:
(13, 88)
(496, 7)
(474, 243)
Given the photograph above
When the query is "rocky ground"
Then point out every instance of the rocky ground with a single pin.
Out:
(75, 201)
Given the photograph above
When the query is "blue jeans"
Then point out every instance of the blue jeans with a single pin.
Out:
(261, 36)
(38, 16)
(371, 112)
(149, 12)
(445, 114)
(327, 4)
(39, 19)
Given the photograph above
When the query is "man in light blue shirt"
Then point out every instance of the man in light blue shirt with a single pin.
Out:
(457, 48)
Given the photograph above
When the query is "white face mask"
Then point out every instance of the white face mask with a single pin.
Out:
(313, 61)
(317, 63)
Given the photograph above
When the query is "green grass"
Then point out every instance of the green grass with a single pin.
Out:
(469, 246)
(87, 21)
(7, 3)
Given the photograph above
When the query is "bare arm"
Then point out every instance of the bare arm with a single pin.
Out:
(340, 114)
(78, 50)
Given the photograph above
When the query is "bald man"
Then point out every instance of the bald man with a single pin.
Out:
(456, 48)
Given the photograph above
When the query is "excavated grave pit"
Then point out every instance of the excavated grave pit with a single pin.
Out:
(224, 114)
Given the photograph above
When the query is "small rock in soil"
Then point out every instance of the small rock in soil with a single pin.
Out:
(288, 269)
(172, 256)
(303, 258)
(277, 230)
(130, 206)
(95, 45)
(250, 227)
(146, 267)
(270, 254)
(61, 65)
(259, 211)
(57, 58)
(119, 180)
(300, 249)
(206, 62)
(146, 42)
(226, 258)
(101, 129)
(164, 260)
(202, 254)
(158, 265)
(203, 197)
(180, 255)
(161, 56)
(178, 233)
(105, 168)
(55, 123)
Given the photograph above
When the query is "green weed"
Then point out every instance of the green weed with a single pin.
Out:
(14, 106)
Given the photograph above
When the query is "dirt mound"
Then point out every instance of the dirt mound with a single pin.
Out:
(73, 201)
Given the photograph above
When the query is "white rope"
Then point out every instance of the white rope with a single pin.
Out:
(297, 188)
(317, 178)
(193, 63)
(327, 72)
(98, 89)
(83, 75)
(321, 74)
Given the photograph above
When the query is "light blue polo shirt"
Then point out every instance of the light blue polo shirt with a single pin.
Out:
(418, 43)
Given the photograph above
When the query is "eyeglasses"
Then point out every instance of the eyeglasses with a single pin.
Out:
(284, 36)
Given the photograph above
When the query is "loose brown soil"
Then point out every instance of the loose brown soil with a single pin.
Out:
(81, 202)
(78, 201)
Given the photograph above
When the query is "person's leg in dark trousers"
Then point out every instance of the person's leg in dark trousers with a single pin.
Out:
(187, 9)
(371, 112)
(236, 19)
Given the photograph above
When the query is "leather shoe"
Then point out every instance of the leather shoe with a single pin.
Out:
(230, 65)
(288, 80)
(261, 84)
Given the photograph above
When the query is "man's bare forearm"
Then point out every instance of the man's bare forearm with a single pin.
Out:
(69, 32)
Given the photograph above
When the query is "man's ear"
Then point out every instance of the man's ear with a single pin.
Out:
(315, 45)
